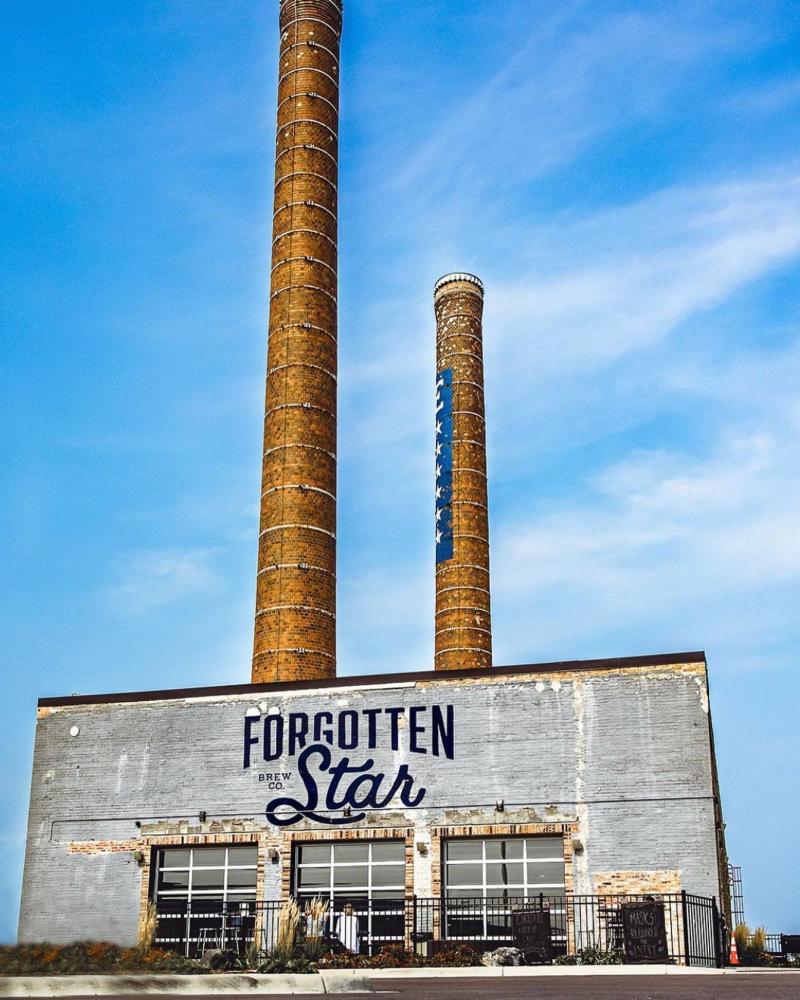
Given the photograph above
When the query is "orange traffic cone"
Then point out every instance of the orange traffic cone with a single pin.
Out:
(734, 956)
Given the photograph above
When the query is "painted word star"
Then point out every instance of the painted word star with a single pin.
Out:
(444, 465)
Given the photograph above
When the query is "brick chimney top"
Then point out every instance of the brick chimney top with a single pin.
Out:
(457, 276)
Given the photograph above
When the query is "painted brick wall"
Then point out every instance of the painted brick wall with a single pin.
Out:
(616, 759)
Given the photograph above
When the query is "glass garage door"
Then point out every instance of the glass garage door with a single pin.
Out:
(370, 875)
(205, 897)
(485, 878)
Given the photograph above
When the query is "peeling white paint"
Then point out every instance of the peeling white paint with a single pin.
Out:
(580, 860)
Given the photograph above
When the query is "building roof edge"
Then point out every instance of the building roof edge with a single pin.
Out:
(370, 680)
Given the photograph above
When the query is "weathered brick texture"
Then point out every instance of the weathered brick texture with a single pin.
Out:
(463, 612)
(295, 629)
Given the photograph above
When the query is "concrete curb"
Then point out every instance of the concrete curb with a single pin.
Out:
(332, 981)
(546, 971)
(335, 981)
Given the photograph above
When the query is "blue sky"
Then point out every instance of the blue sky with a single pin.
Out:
(624, 176)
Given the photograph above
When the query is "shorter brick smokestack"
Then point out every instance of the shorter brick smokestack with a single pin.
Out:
(463, 611)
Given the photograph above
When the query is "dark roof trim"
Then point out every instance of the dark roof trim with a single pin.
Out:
(661, 659)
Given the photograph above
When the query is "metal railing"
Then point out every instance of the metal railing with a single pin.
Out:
(430, 926)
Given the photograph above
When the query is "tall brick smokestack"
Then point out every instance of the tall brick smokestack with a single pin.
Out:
(295, 628)
(463, 612)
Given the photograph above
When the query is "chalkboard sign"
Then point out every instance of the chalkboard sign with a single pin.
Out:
(790, 944)
(530, 926)
(644, 933)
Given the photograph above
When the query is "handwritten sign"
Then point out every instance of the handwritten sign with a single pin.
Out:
(530, 926)
(644, 933)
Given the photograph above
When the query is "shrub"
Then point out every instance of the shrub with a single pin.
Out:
(274, 963)
(751, 947)
(316, 917)
(396, 957)
(286, 939)
(741, 935)
(147, 928)
(459, 955)
(89, 957)
(592, 956)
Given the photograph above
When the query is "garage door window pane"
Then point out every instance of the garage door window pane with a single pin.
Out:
(389, 850)
(243, 856)
(173, 881)
(544, 847)
(499, 849)
(350, 853)
(464, 850)
(208, 857)
(350, 875)
(174, 857)
(313, 878)
(465, 874)
(534, 865)
(501, 874)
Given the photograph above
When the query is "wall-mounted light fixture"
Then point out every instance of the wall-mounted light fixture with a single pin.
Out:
(203, 816)
(274, 855)
(500, 805)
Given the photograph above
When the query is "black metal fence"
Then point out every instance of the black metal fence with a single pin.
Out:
(430, 926)
(782, 947)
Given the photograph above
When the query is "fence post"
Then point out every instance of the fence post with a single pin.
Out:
(685, 914)
(718, 958)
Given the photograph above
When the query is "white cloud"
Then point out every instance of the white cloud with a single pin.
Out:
(558, 86)
(639, 272)
(661, 537)
(153, 579)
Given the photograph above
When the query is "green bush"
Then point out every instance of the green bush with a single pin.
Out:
(272, 964)
(592, 956)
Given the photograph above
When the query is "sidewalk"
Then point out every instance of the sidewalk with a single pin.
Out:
(333, 981)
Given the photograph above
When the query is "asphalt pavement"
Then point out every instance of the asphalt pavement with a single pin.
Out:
(743, 986)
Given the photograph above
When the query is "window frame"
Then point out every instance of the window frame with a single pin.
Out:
(527, 889)
(524, 891)
(369, 938)
(194, 919)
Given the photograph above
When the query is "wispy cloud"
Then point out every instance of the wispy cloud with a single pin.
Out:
(662, 534)
(621, 280)
(576, 74)
(146, 581)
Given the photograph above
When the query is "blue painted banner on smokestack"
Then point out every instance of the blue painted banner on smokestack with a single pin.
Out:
(444, 465)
